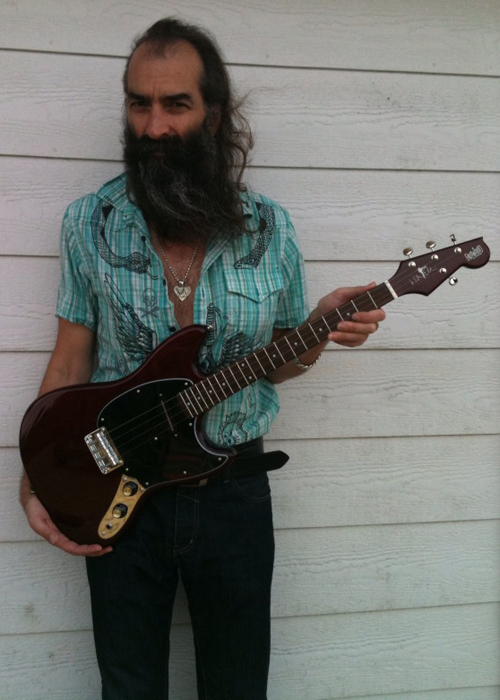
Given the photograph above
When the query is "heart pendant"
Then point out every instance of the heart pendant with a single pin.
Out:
(182, 292)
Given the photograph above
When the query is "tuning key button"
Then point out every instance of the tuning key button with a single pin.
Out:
(431, 245)
(453, 239)
(453, 281)
(120, 510)
(409, 252)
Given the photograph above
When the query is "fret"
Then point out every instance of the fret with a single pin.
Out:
(279, 353)
(302, 339)
(314, 333)
(239, 366)
(262, 368)
(214, 390)
(290, 346)
(220, 385)
(202, 386)
(237, 383)
(250, 366)
(326, 324)
(186, 404)
(267, 354)
(352, 302)
(341, 317)
(198, 387)
(191, 392)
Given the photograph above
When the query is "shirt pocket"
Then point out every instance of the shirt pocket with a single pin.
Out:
(252, 298)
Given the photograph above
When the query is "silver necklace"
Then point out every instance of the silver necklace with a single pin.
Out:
(181, 290)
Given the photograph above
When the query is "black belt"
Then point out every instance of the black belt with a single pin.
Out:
(250, 459)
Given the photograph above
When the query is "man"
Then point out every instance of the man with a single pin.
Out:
(178, 240)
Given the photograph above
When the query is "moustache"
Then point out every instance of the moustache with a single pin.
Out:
(173, 150)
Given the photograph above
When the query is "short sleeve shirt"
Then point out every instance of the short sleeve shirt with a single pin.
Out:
(113, 282)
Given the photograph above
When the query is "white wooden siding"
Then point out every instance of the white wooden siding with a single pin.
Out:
(377, 127)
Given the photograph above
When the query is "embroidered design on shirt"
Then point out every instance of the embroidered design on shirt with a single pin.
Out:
(234, 346)
(136, 339)
(234, 421)
(135, 262)
(150, 301)
(267, 225)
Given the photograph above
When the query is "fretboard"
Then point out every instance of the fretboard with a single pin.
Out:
(215, 388)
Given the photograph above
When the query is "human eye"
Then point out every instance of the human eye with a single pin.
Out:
(137, 103)
(177, 106)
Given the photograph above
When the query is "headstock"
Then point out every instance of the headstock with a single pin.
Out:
(423, 274)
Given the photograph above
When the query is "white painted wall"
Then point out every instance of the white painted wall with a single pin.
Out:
(377, 126)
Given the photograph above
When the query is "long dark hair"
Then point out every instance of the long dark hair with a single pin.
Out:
(234, 136)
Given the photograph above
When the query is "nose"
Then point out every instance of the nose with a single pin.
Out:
(159, 123)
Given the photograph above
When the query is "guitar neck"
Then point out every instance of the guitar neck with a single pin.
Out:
(212, 390)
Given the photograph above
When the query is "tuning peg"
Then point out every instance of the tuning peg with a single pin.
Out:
(454, 241)
(409, 252)
(453, 281)
(431, 245)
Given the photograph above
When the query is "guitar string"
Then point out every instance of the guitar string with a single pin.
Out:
(376, 294)
(171, 403)
(158, 414)
(158, 419)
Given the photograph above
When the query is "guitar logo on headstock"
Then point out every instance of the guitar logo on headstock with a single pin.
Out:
(474, 253)
(423, 273)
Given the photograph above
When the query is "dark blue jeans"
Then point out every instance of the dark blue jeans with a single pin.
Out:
(219, 539)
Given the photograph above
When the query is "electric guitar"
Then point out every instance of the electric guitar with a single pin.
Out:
(93, 452)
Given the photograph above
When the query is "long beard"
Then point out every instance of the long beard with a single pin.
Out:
(179, 185)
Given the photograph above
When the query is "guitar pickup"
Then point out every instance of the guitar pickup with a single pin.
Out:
(103, 450)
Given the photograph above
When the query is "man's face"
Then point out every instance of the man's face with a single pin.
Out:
(163, 92)
(174, 165)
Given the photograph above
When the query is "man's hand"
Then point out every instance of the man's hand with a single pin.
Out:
(352, 333)
(40, 521)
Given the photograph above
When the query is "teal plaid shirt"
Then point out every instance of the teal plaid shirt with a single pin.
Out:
(113, 283)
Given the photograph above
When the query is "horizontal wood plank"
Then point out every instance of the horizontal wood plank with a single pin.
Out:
(455, 317)
(315, 657)
(339, 215)
(443, 37)
(317, 572)
(349, 394)
(329, 483)
(488, 693)
(383, 653)
(386, 480)
(302, 118)
(394, 393)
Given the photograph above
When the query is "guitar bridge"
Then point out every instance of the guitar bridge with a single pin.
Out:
(103, 450)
